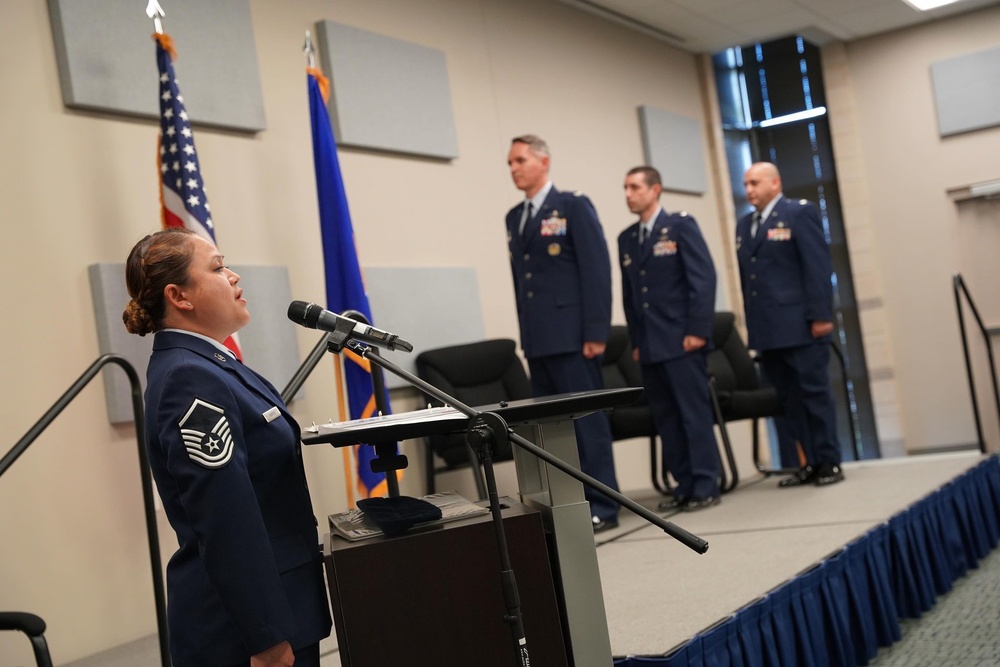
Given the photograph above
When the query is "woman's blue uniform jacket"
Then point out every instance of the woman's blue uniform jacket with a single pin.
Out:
(226, 457)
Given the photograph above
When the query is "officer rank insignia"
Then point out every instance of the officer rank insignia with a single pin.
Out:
(206, 435)
(554, 225)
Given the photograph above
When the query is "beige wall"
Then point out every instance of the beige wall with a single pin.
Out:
(908, 236)
(80, 188)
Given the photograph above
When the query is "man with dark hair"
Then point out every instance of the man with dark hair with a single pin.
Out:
(562, 285)
(668, 290)
(785, 270)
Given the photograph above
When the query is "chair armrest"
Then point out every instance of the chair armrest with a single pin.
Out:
(29, 624)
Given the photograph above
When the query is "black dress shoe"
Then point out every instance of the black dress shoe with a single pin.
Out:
(696, 503)
(829, 473)
(806, 475)
(673, 503)
(601, 525)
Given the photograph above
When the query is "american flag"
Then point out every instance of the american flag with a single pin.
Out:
(182, 193)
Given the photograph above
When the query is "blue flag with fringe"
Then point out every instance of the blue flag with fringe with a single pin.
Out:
(344, 285)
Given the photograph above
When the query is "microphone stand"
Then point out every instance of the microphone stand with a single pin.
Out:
(485, 430)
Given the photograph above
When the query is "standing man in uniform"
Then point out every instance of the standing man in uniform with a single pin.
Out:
(562, 285)
(785, 271)
(668, 290)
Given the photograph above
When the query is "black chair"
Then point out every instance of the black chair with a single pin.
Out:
(737, 392)
(34, 627)
(636, 420)
(478, 373)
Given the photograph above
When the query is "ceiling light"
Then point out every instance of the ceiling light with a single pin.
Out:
(792, 117)
(924, 5)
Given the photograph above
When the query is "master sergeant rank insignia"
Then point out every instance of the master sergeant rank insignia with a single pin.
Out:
(206, 435)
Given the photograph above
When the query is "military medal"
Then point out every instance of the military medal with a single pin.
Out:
(779, 233)
(664, 248)
(554, 249)
(553, 225)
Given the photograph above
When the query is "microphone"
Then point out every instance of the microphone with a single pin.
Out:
(312, 316)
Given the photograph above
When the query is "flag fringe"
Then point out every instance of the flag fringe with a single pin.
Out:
(167, 42)
(324, 83)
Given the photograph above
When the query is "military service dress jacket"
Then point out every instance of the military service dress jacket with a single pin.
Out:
(226, 457)
(562, 275)
(785, 271)
(668, 286)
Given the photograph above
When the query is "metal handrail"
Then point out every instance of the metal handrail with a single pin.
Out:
(852, 416)
(147, 484)
(959, 289)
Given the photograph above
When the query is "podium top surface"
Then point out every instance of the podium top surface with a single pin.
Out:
(437, 421)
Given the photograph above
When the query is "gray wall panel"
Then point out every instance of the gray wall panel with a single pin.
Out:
(268, 342)
(107, 58)
(429, 307)
(672, 144)
(387, 94)
(967, 92)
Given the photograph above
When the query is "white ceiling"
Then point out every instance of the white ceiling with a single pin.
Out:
(708, 26)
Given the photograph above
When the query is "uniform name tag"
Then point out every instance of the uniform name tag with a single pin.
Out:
(272, 414)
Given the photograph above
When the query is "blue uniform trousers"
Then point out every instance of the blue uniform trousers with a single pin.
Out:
(802, 377)
(678, 393)
(564, 373)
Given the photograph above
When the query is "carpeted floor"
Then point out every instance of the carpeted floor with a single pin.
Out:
(962, 630)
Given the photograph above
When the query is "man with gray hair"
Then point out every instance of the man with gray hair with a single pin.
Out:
(562, 285)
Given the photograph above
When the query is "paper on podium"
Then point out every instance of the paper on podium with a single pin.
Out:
(354, 525)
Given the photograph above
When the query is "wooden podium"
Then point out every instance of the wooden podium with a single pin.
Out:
(433, 596)
(558, 498)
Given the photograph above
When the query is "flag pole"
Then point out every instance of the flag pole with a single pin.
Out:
(155, 12)
(307, 48)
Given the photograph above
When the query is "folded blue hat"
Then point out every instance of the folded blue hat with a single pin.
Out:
(397, 514)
